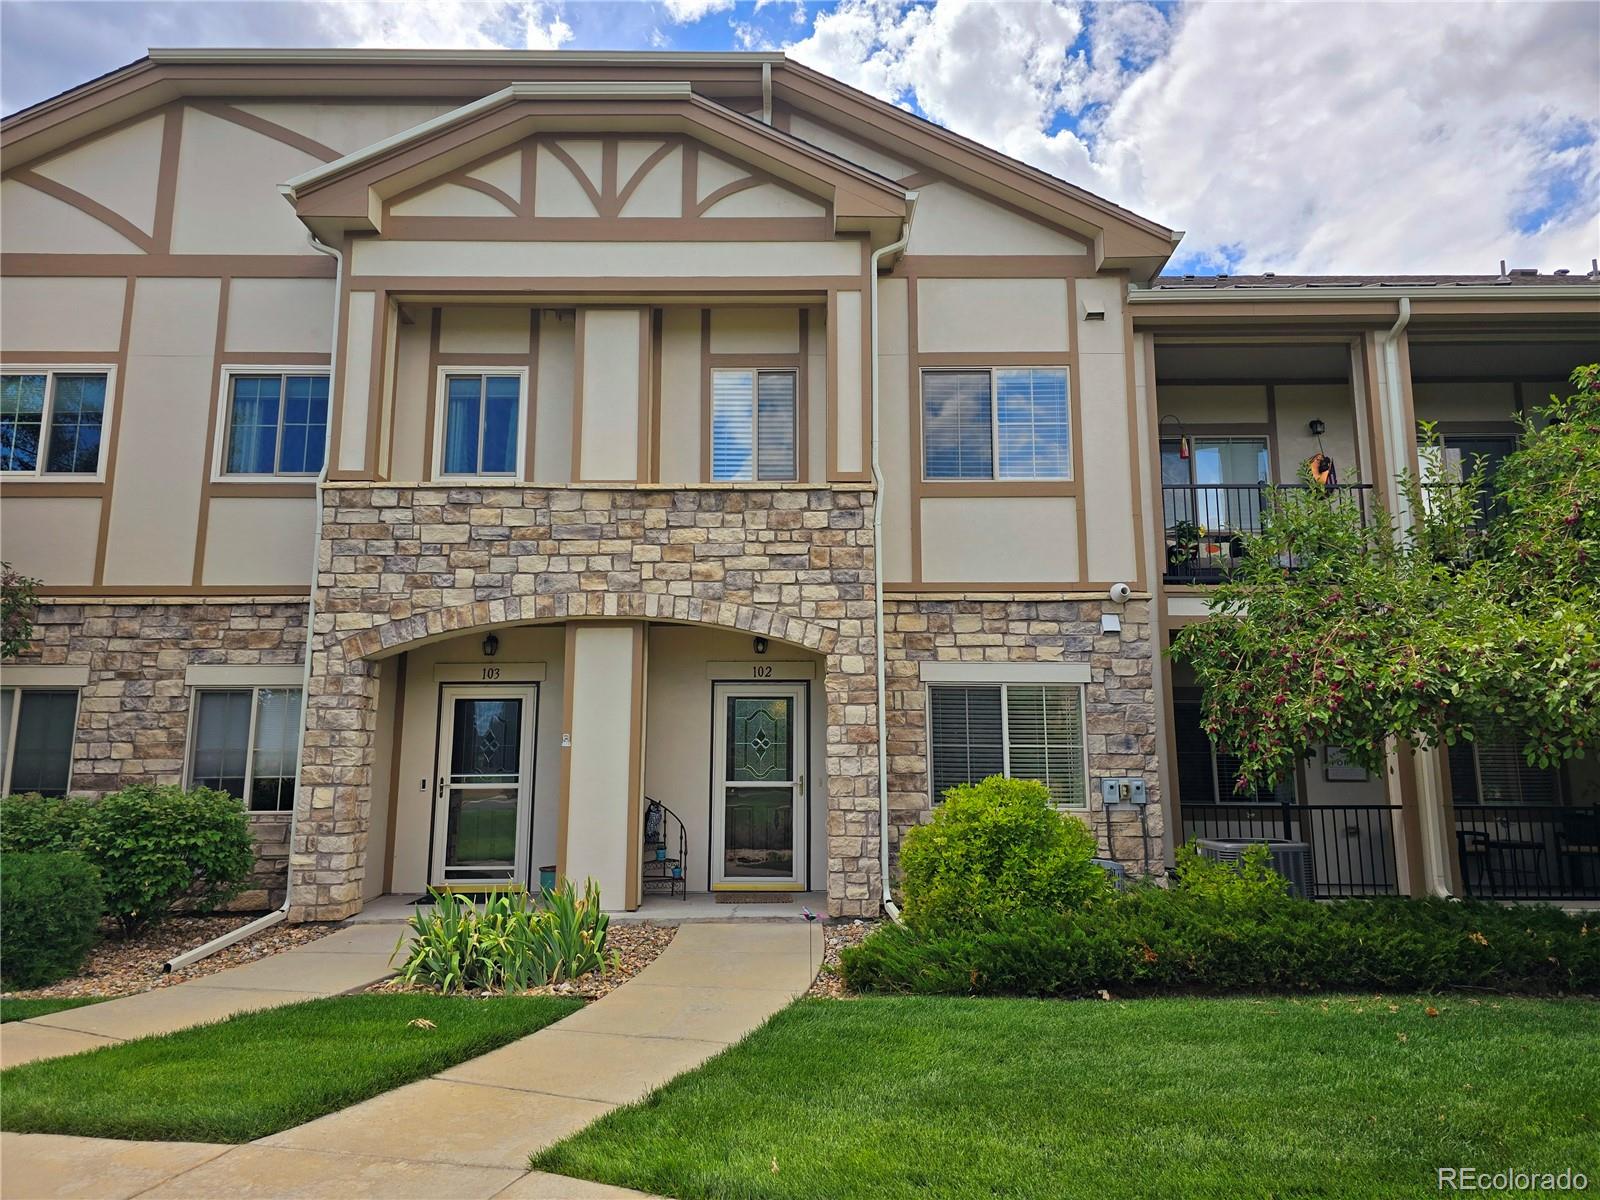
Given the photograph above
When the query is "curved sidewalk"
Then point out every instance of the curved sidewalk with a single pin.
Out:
(466, 1133)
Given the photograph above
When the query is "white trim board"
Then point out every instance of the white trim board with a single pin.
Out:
(37, 675)
(242, 675)
(489, 671)
(759, 670)
(1005, 672)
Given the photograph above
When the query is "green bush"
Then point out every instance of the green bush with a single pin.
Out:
(994, 848)
(1249, 884)
(50, 909)
(155, 847)
(1153, 940)
(512, 944)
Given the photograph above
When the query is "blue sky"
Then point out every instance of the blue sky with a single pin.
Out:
(1290, 137)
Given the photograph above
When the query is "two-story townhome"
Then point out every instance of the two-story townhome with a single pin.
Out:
(675, 470)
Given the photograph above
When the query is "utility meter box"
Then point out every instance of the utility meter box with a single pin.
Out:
(1122, 791)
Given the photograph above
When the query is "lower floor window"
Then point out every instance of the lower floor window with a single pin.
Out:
(244, 743)
(1023, 731)
(1208, 773)
(1487, 772)
(36, 730)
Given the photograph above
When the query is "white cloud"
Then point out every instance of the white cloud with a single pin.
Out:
(687, 12)
(452, 24)
(1303, 137)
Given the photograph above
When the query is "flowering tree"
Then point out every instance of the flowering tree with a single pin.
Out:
(1352, 631)
(19, 604)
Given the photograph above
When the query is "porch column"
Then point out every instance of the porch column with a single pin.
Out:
(602, 759)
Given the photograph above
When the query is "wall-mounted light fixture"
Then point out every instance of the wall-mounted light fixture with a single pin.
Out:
(761, 645)
(1318, 427)
(491, 646)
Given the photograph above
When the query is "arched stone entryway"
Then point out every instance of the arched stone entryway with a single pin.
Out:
(402, 566)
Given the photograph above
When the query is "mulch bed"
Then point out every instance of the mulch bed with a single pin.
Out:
(119, 968)
(637, 945)
(836, 935)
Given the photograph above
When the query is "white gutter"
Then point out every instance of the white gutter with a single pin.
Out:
(877, 569)
(1184, 294)
(281, 913)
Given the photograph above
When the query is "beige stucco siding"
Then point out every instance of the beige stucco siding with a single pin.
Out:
(851, 390)
(227, 199)
(999, 539)
(1297, 405)
(552, 433)
(755, 331)
(991, 315)
(61, 314)
(34, 223)
(680, 395)
(780, 260)
(599, 782)
(259, 541)
(344, 127)
(894, 429)
(291, 315)
(609, 416)
(358, 365)
(413, 393)
(51, 538)
(1214, 404)
(952, 220)
(120, 170)
(1469, 402)
(1108, 486)
(468, 329)
(161, 456)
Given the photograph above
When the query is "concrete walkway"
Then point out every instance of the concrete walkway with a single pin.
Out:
(341, 962)
(466, 1133)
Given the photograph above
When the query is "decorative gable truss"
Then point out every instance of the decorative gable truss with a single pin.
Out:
(621, 186)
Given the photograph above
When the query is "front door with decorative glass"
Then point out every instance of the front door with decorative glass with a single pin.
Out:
(758, 802)
(483, 804)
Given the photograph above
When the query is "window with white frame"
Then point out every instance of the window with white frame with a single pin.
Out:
(52, 421)
(274, 423)
(36, 732)
(1022, 731)
(480, 425)
(754, 430)
(243, 741)
(996, 423)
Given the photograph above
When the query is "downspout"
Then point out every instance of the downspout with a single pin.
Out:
(877, 569)
(281, 913)
(1429, 796)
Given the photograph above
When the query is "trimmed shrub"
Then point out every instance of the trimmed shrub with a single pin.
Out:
(50, 909)
(995, 848)
(155, 847)
(1153, 940)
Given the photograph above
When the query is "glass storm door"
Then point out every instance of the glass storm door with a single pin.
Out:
(483, 809)
(758, 808)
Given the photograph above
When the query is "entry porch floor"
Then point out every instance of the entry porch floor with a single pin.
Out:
(397, 907)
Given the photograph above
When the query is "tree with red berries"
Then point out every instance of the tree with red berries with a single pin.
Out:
(1350, 629)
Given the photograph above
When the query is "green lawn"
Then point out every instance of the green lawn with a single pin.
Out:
(935, 1098)
(15, 1009)
(260, 1072)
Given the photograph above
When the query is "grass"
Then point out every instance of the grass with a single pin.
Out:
(257, 1073)
(14, 1008)
(951, 1098)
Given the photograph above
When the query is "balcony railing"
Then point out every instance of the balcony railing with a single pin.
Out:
(1529, 851)
(1205, 523)
(1352, 845)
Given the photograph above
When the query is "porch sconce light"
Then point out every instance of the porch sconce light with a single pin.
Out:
(1318, 427)
(491, 646)
(761, 645)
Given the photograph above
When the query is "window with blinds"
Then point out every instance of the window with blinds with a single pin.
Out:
(1005, 423)
(1487, 772)
(1206, 773)
(1023, 731)
(754, 431)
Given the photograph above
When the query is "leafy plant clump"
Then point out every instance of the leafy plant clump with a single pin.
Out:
(1448, 622)
(996, 847)
(19, 605)
(49, 917)
(510, 945)
(155, 847)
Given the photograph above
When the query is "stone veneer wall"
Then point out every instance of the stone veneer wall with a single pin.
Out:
(133, 715)
(1120, 704)
(400, 564)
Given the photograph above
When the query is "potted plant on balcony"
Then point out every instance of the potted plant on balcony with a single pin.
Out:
(1183, 542)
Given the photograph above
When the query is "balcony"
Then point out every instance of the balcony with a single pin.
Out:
(1529, 851)
(1352, 845)
(1206, 524)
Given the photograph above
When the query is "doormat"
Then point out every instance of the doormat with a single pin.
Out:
(755, 897)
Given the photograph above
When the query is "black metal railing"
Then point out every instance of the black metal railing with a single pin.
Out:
(1529, 851)
(1206, 523)
(1352, 845)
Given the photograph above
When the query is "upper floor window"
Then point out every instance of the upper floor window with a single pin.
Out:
(1000, 423)
(244, 742)
(51, 421)
(1021, 731)
(753, 426)
(277, 424)
(480, 428)
(36, 731)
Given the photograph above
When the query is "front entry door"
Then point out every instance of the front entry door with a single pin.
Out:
(483, 809)
(758, 803)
